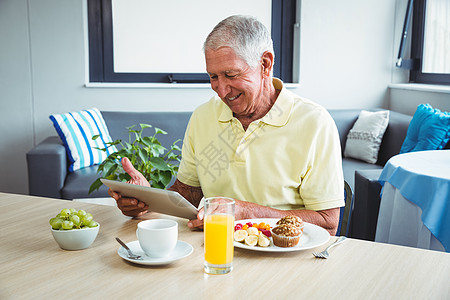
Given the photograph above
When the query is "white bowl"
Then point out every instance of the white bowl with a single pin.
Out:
(75, 239)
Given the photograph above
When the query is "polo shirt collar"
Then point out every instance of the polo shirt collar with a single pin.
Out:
(278, 115)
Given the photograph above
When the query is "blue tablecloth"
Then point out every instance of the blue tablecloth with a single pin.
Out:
(424, 179)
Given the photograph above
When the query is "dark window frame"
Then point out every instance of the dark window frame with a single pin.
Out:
(417, 43)
(101, 56)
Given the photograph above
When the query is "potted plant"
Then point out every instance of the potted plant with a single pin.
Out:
(148, 156)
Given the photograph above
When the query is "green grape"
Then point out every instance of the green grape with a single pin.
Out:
(87, 218)
(65, 212)
(81, 213)
(92, 223)
(55, 223)
(52, 221)
(76, 220)
(67, 225)
(69, 219)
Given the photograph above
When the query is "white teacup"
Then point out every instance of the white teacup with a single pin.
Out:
(157, 237)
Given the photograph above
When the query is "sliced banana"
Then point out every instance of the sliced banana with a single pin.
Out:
(251, 240)
(263, 240)
(240, 235)
(252, 231)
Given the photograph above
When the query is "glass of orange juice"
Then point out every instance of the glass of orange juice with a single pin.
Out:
(218, 229)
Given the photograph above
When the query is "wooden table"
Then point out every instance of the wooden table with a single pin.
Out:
(32, 266)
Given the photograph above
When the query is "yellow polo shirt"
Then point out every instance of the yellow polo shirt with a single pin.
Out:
(289, 159)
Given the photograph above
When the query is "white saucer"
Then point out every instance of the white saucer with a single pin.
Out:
(182, 250)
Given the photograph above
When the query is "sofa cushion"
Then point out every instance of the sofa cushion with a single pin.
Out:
(429, 130)
(364, 139)
(78, 182)
(349, 165)
(76, 130)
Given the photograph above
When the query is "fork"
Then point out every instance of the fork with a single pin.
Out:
(324, 253)
(131, 255)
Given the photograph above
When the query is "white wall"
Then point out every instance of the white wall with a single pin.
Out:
(347, 52)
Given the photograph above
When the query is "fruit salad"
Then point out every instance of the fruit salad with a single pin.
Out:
(253, 234)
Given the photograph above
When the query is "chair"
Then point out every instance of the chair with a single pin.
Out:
(345, 211)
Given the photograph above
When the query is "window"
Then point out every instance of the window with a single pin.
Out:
(106, 65)
(430, 44)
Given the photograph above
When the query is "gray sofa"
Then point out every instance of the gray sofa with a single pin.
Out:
(48, 163)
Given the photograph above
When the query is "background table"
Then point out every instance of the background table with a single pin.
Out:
(415, 203)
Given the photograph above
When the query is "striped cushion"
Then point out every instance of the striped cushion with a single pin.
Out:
(76, 130)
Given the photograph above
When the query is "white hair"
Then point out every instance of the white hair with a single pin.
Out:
(245, 35)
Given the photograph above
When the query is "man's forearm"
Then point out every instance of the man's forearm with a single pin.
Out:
(191, 193)
(327, 219)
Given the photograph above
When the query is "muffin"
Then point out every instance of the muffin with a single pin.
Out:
(293, 220)
(286, 235)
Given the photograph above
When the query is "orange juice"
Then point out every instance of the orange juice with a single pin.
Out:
(219, 230)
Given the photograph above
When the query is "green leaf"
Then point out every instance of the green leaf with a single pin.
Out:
(95, 185)
(159, 163)
(172, 156)
(159, 131)
(147, 141)
(124, 177)
(110, 171)
(158, 150)
(114, 143)
(127, 146)
(101, 149)
(176, 148)
(165, 177)
(143, 126)
(94, 137)
(112, 177)
(143, 155)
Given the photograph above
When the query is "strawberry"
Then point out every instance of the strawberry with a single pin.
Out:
(266, 232)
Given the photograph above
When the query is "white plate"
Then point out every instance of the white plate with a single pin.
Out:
(182, 250)
(313, 236)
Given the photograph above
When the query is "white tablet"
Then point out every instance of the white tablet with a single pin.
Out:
(158, 200)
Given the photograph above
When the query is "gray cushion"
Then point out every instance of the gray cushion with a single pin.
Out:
(366, 205)
(349, 165)
(77, 184)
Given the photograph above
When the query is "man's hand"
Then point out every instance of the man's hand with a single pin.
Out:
(197, 223)
(129, 206)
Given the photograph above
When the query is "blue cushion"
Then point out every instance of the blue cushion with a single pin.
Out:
(76, 130)
(429, 130)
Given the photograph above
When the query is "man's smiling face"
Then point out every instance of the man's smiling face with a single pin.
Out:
(235, 82)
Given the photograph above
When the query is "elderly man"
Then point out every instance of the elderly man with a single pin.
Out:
(276, 153)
